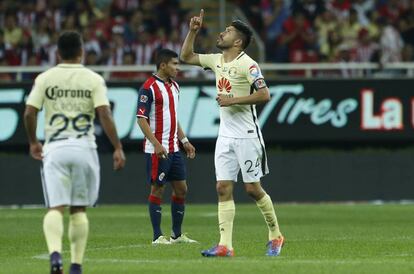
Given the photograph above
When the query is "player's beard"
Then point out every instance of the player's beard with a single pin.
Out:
(222, 46)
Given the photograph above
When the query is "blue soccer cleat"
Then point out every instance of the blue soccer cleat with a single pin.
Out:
(75, 269)
(56, 265)
(274, 247)
(218, 251)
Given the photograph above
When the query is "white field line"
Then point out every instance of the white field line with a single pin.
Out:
(246, 260)
(249, 260)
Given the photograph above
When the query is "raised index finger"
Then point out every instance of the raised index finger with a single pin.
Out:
(201, 15)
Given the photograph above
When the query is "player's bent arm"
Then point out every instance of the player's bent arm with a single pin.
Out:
(30, 123)
(261, 96)
(187, 54)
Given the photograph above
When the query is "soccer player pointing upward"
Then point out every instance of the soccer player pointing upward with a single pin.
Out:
(240, 145)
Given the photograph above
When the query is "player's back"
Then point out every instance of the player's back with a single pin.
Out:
(68, 94)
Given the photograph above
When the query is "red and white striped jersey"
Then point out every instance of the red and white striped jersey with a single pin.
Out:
(158, 102)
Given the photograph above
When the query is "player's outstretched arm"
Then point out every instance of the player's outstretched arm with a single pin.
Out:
(187, 54)
(30, 124)
(107, 123)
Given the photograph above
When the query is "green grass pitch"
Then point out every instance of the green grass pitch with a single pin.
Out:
(320, 238)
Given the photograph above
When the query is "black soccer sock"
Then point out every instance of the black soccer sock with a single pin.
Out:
(154, 207)
(177, 214)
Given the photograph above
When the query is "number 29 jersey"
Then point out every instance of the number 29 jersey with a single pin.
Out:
(69, 94)
(238, 78)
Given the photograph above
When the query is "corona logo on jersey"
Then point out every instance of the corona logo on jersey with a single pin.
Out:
(55, 92)
(224, 85)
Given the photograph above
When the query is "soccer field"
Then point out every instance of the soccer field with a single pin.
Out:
(320, 238)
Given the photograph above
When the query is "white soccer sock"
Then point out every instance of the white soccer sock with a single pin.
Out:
(266, 207)
(53, 230)
(78, 236)
(226, 212)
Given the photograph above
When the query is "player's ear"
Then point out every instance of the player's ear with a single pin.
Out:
(238, 42)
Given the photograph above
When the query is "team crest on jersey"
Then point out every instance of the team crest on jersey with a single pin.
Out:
(233, 72)
(162, 175)
(143, 98)
(254, 71)
(224, 85)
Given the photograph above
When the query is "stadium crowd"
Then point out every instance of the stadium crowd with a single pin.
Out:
(128, 32)
(334, 30)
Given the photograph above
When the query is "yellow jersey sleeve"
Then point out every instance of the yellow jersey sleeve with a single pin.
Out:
(37, 94)
(100, 93)
(209, 60)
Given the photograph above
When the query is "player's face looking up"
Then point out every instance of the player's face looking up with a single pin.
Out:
(228, 38)
(170, 69)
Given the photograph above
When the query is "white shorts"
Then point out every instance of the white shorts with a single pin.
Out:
(70, 176)
(233, 154)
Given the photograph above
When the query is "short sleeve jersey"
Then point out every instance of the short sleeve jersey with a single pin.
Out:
(235, 79)
(69, 94)
(158, 103)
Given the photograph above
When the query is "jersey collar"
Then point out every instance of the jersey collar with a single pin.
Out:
(237, 58)
(159, 79)
(66, 65)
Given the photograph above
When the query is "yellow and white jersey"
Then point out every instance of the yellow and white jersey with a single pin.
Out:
(69, 94)
(235, 79)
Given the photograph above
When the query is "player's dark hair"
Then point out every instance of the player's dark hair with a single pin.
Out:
(164, 56)
(69, 45)
(244, 31)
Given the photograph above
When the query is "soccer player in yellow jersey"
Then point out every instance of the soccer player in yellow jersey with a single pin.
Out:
(240, 146)
(69, 94)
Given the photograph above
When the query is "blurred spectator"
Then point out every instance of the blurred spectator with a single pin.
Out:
(372, 27)
(298, 37)
(253, 10)
(54, 14)
(41, 33)
(91, 58)
(339, 7)
(90, 43)
(26, 15)
(392, 10)
(366, 49)
(145, 49)
(391, 43)
(350, 28)
(173, 42)
(71, 22)
(12, 32)
(274, 16)
(24, 49)
(127, 59)
(326, 23)
(345, 56)
(406, 25)
(310, 8)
